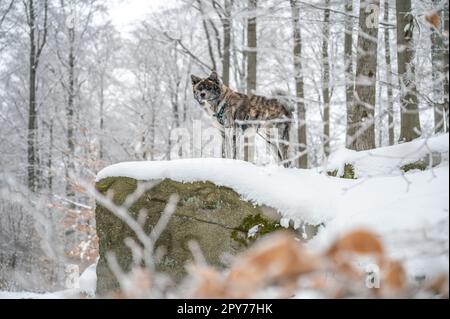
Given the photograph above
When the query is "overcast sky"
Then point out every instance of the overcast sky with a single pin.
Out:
(126, 13)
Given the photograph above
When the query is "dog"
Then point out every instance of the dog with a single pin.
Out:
(230, 109)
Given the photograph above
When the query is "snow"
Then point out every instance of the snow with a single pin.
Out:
(88, 283)
(388, 160)
(252, 232)
(291, 191)
(88, 280)
(65, 294)
(409, 211)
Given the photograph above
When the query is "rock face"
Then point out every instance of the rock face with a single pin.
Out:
(215, 217)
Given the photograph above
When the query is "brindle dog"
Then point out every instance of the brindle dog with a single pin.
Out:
(230, 109)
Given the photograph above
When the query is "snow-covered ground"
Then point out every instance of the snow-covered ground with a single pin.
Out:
(87, 284)
(65, 294)
(388, 160)
(409, 211)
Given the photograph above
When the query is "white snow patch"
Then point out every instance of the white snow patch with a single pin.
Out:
(296, 193)
(388, 160)
(284, 222)
(410, 213)
(88, 280)
(88, 283)
(64, 294)
(252, 232)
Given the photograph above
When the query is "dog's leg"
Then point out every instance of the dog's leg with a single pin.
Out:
(271, 138)
(229, 140)
(234, 143)
(224, 145)
(278, 139)
(285, 129)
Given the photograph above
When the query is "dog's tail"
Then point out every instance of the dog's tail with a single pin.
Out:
(285, 99)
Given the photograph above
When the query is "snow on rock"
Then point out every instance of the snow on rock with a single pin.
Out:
(253, 231)
(294, 193)
(387, 160)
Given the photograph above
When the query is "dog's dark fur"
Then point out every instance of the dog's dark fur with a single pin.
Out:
(230, 109)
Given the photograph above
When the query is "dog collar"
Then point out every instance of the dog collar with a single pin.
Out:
(219, 115)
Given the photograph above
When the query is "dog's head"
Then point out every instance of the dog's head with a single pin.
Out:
(208, 89)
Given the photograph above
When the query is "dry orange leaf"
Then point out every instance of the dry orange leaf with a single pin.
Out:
(395, 275)
(139, 283)
(358, 241)
(439, 286)
(275, 259)
(209, 283)
(433, 19)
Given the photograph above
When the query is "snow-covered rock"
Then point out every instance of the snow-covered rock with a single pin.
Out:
(410, 211)
(389, 160)
(293, 192)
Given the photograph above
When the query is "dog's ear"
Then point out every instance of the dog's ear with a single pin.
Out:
(214, 77)
(195, 79)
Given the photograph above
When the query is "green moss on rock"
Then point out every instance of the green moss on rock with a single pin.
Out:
(432, 160)
(349, 172)
(420, 165)
(265, 226)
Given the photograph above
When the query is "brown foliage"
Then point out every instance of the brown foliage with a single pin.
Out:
(358, 242)
(281, 263)
(433, 19)
(439, 286)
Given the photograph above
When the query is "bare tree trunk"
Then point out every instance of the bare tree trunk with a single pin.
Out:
(349, 76)
(32, 112)
(208, 37)
(326, 80)
(50, 157)
(102, 116)
(226, 57)
(437, 84)
(152, 134)
(366, 73)
(251, 46)
(226, 22)
(70, 110)
(439, 65)
(387, 54)
(37, 44)
(174, 95)
(301, 110)
(251, 69)
(379, 120)
(409, 112)
(445, 58)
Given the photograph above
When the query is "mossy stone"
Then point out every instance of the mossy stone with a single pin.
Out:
(420, 165)
(432, 160)
(216, 217)
(349, 172)
(265, 226)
